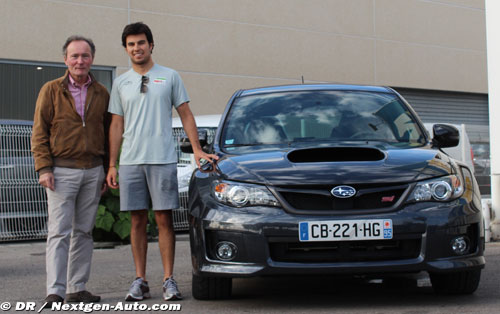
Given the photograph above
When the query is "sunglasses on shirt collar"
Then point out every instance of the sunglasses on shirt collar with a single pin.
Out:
(144, 82)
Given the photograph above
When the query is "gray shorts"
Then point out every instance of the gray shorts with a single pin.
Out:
(140, 182)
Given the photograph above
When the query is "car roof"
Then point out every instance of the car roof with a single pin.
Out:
(311, 87)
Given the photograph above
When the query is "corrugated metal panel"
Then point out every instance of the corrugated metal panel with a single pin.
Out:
(450, 107)
(20, 84)
(19, 89)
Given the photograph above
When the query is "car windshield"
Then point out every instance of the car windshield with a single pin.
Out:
(291, 118)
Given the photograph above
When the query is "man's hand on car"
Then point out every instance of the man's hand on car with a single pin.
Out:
(198, 155)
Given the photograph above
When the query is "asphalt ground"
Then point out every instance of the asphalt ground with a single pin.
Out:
(22, 273)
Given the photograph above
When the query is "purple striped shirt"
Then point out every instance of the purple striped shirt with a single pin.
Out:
(79, 95)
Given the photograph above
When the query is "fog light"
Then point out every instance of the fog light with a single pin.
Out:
(460, 245)
(226, 251)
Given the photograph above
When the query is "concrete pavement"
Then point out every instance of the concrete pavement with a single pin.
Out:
(22, 269)
(22, 274)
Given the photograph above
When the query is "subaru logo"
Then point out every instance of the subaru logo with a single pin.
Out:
(343, 191)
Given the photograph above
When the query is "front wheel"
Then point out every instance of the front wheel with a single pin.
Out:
(465, 282)
(211, 288)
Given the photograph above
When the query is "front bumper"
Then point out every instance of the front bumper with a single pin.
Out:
(267, 241)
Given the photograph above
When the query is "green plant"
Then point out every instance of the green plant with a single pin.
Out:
(113, 225)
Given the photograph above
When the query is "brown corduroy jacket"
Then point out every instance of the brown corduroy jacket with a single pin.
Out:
(60, 136)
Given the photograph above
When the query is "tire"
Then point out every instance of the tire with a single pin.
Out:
(211, 288)
(465, 282)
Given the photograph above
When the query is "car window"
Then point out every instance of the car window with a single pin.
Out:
(293, 117)
(481, 150)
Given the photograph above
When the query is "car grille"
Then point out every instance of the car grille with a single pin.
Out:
(308, 199)
(346, 251)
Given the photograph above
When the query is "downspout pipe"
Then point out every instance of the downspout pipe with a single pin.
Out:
(492, 10)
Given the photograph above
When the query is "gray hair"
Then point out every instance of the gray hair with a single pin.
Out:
(78, 38)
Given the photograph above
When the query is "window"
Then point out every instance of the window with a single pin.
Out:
(21, 81)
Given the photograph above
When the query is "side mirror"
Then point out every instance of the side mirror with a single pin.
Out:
(185, 145)
(445, 136)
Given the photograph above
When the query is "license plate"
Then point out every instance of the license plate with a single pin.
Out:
(345, 230)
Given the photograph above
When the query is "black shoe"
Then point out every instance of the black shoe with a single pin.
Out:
(52, 298)
(82, 296)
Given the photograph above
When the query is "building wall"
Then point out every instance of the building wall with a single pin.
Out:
(219, 46)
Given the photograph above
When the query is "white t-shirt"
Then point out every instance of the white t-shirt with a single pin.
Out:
(147, 136)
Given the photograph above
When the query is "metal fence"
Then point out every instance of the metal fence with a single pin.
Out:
(184, 158)
(23, 202)
(180, 215)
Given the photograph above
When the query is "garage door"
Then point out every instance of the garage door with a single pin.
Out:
(452, 107)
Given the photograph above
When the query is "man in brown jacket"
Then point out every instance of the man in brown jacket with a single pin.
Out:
(69, 148)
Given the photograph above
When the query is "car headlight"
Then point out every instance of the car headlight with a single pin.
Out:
(440, 189)
(242, 194)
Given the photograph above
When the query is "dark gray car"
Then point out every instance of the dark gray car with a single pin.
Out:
(337, 179)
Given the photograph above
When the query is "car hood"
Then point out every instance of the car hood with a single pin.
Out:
(337, 165)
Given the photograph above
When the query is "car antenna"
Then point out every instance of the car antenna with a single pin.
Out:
(302, 79)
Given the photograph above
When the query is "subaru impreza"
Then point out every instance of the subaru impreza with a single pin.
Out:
(332, 179)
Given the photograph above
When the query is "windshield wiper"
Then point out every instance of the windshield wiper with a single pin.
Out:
(304, 139)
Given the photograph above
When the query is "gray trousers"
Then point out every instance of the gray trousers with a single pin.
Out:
(72, 211)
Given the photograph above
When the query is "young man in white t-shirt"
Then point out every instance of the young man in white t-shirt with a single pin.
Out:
(141, 105)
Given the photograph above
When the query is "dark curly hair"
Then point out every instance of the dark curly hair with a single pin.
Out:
(136, 29)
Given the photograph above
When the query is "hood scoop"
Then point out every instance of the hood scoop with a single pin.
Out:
(335, 154)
